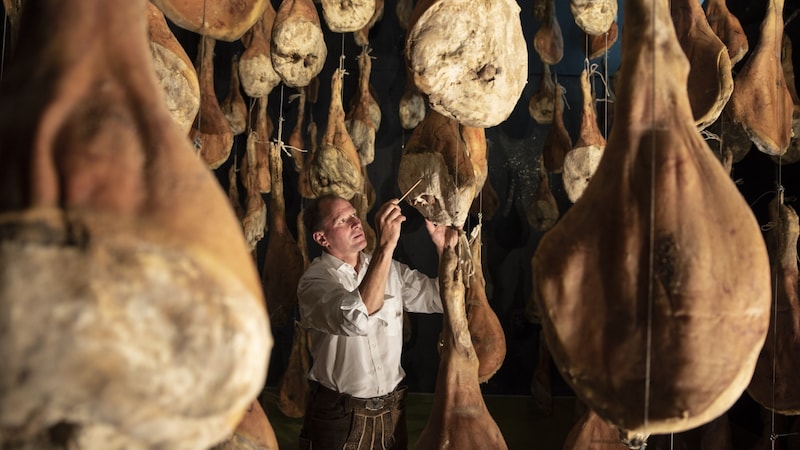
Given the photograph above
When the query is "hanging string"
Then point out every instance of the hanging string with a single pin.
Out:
(198, 140)
(3, 55)
(651, 233)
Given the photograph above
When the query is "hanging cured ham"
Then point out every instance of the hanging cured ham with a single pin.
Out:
(233, 107)
(469, 68)
(174, 70)
(154, 300)
(298, 47)
(542, 104)
(293, 389)
(254, 221)
(761, 102)
(297, 145)
(437, 154)
(485, 331)
(253, 432)
(658, 276)
(594, 16)
(258, 75)
(581, 162)
(412, 107)
(710, 86)
(591, 430)
(548, 40)
(542, 212)
(774, 384)
(258, 148)
(336, 167)
(364, 118)
(792, 154)
(557, 143)
(599, 44)
(727, 27)
(211, 133)
(459, 418)
(344, 16)
(361, 36)
(283, 264)
(224, 20)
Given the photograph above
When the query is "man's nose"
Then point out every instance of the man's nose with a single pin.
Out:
(355, 221)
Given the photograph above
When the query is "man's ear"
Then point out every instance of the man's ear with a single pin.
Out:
(319, 238)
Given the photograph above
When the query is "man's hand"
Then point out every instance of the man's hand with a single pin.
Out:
(442, 236)
(387, 224)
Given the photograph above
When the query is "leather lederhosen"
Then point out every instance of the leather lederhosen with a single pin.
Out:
(335, 421)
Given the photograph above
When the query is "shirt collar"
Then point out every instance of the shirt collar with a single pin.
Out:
(340, 265)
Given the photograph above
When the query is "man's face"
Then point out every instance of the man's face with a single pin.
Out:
(341, 235)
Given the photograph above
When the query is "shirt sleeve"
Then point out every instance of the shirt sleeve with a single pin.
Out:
(420, 292)
(325, 305)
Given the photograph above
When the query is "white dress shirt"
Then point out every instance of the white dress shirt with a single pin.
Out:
(353, 352)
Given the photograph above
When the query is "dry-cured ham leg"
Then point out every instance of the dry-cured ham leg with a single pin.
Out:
(303, 179)
(761, 102)
(258, 75)
(660, 242)
(254, 222)
(548, 40)
(174, 70)
(258, 143)
(404, 10)
(211, 134)
(233, 191)
(437, 154)
(412, 107)
(253, 432)
(13, 9)
(542, 212)
(774, 384)
(557, 143)
(469, 68)
(234, 107)
(293, 388)
(298, 47)
(361, 36)
(594, 16)
(335, 166)
(459, 418)
(297, 145)
(224, 20)
(581, 162)
(542, 104)
(364, 118)
(344, 16)
(104, 202)
(283, 264)
(792, 154)
(598, 44)
(710, 86)
(488, 338)
(591, 431)
(727, 27)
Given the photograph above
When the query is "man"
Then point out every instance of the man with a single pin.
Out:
(352, 304)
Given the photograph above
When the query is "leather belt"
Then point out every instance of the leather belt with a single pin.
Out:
(369, 404)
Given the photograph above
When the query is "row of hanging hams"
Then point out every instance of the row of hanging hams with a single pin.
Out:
(131, 320)
(657, 279)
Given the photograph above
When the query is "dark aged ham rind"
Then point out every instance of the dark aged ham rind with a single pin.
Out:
(710, 79)
(152, 332)
(728, 28)
(469, 68)
(661, 244)
(774, 384)
(761, 101)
